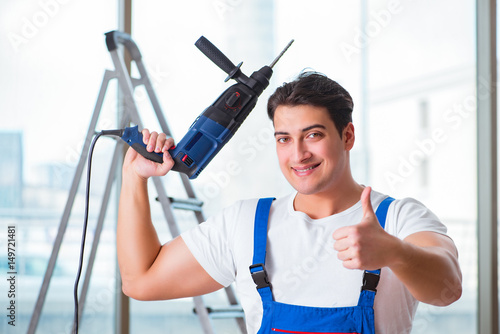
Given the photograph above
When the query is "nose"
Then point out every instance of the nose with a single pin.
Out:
(301, 152)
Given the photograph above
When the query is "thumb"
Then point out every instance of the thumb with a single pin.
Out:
(366, 203)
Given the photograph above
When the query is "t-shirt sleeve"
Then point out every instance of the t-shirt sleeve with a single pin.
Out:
(209, 244)
(409, 216)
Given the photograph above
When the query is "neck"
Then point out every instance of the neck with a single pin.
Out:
(329, 202)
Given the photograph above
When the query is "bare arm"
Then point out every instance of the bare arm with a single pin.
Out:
(425, 262)
(149, 270)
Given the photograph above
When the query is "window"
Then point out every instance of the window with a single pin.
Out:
(52, 62)
(408, 65)
(422, 129)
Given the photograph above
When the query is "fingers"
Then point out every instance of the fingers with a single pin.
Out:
(348, 254)
(157, 142)
(145, 136)
(341, 233)
(344, 246)
(150, 139)
(341, 245)
(361, 246)
(168, 144)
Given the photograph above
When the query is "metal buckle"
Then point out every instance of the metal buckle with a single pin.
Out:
(259, 276)
(370, 281)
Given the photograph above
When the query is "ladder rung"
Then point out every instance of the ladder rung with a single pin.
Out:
(191, 204)
(225, 312)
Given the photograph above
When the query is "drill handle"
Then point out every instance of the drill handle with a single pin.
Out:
(133, 137)
(219, 59)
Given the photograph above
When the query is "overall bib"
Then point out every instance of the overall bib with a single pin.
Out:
(287, 318)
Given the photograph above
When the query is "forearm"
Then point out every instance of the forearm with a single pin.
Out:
(137, 241)
(430, 272)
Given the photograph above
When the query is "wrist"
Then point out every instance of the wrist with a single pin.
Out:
(401, 253)
(130, 176)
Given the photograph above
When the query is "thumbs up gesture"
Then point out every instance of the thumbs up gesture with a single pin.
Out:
(365, 245)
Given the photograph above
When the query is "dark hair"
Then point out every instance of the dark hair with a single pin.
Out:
(316, 89)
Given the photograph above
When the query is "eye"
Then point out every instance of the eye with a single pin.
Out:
(315, 135)
(282, 140)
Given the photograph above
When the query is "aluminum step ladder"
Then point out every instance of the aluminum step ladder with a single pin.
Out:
(127, 84)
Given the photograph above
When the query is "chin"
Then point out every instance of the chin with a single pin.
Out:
(305, 189)
(311, 188)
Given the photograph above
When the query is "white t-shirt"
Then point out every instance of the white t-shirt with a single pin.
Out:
(301, 263)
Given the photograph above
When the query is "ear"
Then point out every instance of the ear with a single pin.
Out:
(348, 136)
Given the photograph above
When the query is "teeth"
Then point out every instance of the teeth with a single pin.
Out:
(304, 170)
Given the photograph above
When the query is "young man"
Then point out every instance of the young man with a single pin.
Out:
(324, 242)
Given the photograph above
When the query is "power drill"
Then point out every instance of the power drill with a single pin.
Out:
(215, 126)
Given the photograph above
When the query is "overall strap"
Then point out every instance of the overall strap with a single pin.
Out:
(257, 269)
(372, 277)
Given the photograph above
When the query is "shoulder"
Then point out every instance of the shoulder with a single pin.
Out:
(403, 206)
(407, 215)
(411, 208)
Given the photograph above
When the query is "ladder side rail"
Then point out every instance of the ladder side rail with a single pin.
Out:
(153, 98)
(231, 297)
(127, 88)
(203, 316)
(200, 217)
(35, 317)
(166, 206)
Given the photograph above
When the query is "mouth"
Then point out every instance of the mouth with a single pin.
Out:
(305, 169)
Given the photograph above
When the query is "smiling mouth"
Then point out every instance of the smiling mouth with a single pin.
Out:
(305, 169)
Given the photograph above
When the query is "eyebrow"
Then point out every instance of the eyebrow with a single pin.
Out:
(303, 130)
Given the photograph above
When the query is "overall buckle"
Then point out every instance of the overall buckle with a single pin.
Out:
(259, 275)
(370, 281)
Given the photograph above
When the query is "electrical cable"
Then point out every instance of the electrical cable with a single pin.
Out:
(118, 133)
(84, 234)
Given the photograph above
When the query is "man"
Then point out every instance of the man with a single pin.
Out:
(321, 239)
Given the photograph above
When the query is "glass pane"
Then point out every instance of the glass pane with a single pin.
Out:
(422, 122)
(52, 62)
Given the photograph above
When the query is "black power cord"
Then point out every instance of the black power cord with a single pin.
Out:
(118, 133)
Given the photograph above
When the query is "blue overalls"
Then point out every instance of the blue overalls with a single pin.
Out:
(287, 318)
